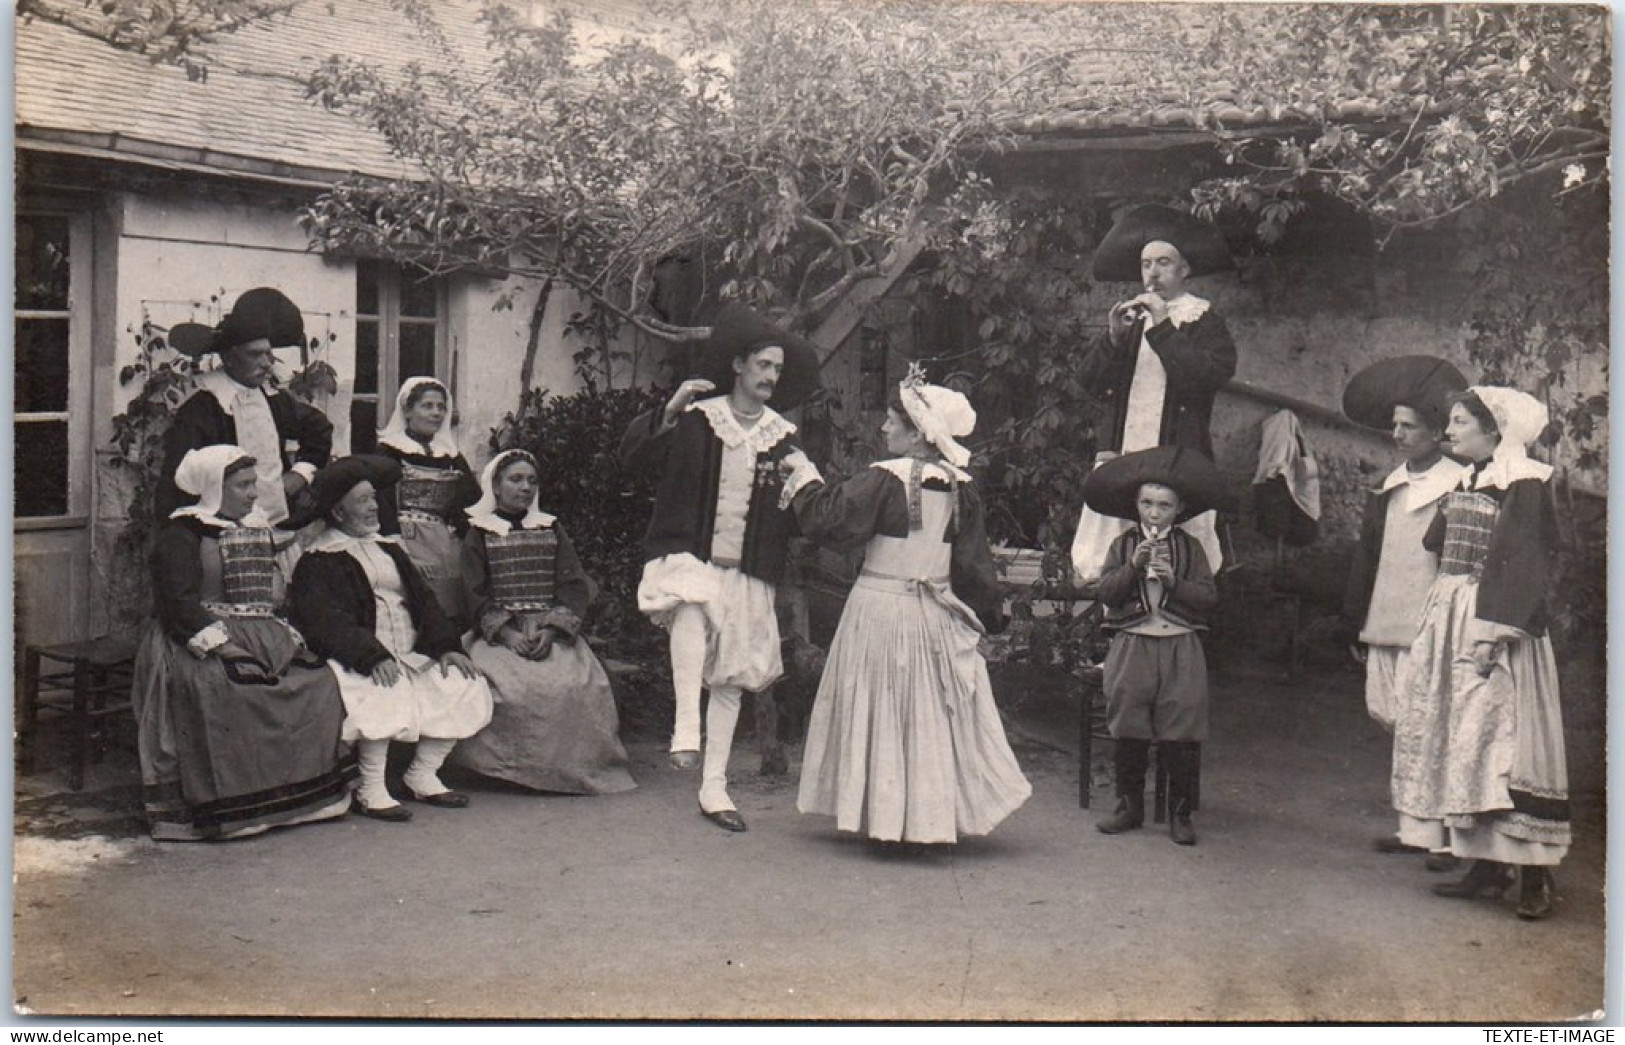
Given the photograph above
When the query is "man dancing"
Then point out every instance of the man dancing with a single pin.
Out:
(719, 538)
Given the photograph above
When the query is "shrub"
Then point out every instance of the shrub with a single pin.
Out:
(604, 506)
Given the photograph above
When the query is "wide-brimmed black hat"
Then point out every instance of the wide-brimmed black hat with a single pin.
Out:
(1114, 487)
(190, 339)
(1423, 383)
(738, 331)
(1117, 259)
(338, 479)
(263, 312)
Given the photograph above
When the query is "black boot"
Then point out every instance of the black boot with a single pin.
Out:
(1129, 758)
(1536, 896)
(1185, 757)
(1485, 876)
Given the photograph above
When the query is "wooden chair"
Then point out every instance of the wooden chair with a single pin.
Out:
(84, 682)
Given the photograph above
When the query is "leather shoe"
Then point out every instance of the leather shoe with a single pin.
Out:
(685, 760)
(443, 800)
(1391, 844)
(1439, 863)
(1484, 878)
(395, 814)
(727, 819)
(1181, 830)
(1537, 893)
(1128, 816)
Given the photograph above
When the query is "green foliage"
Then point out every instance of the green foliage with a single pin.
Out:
(1538, 316)
(166, 380)
(1417, 112)
(787, 149)
(1020, 271)
(176, 32)
(603, 505)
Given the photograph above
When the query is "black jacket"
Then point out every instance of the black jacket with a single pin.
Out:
(1199, 358)
(331, 603)
(688, 460)
(201, 421)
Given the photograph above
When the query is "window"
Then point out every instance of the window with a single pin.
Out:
(51, 366)
(399, 333)
(874, 387)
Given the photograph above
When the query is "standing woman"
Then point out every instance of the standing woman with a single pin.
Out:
(1478, 759)
(905, 742)
(238, 722)
(399, 661)
(554, 727)
(426, 506)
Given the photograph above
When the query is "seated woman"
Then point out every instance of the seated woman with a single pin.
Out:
(238, 723)
(555, 727)
(426, 507)
(905, 742)
(367, 609)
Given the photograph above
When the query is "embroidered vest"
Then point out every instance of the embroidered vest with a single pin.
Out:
(1469, 518)
(248, 572)
(427, 491)
(521, 568)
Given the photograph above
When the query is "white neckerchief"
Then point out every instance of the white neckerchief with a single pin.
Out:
(225, 389)
(761, 437)
(395, 434)
(483, 513)
(1424, 488)
(901, 466)
(333, 539)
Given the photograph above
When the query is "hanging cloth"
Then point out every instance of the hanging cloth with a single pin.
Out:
(1286, 486)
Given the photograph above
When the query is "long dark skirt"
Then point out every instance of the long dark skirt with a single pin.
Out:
(222, 759)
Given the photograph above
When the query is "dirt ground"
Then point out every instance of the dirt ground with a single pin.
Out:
(634, 907)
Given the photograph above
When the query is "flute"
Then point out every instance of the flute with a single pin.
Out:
(1134, 309)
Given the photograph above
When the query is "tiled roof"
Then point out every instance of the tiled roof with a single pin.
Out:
(77, 91)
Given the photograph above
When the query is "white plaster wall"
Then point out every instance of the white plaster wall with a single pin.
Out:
(488, 345)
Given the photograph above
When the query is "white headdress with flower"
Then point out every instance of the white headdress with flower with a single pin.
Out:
(941, 414)
(394, 433)
(1521, 419)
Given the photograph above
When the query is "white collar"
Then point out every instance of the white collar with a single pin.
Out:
(761, 437)
(226, 389)
(491, 522)
(333, 539)
(1502, 472)
(1187, 308)
(1425, 487)
(903, 466)
(441, 446)
(254, 520)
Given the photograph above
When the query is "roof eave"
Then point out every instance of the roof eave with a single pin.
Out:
(178, 158)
